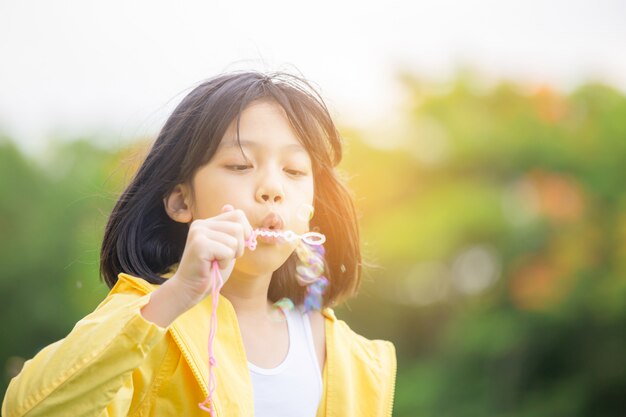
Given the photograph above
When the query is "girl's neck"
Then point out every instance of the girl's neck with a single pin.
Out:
(248, 295)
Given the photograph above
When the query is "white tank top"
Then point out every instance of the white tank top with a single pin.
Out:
(293, 388)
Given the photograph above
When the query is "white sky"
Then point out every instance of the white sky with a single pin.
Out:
(79, 67)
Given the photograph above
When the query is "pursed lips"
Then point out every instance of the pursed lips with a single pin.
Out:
(272, 221)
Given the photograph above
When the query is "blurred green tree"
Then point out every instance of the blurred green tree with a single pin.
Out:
(499, 223)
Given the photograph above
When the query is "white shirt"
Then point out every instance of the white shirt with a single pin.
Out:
(293, 388)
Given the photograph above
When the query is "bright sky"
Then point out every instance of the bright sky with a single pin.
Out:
(72, 68)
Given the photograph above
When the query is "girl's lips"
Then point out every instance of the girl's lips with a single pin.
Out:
(272, 221)
(270, 226)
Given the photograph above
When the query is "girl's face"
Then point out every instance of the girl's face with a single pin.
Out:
(276, 178)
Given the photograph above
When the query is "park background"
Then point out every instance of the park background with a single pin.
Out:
(485, 147)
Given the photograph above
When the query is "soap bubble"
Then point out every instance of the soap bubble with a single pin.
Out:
(304, 212)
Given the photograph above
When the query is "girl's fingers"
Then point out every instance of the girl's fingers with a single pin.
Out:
(226, 239)
(235, 216)
(214, 249)
(232, 229)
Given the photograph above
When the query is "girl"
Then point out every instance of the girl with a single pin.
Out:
(245, 156)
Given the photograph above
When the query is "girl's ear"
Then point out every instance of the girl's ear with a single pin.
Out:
(178, 204)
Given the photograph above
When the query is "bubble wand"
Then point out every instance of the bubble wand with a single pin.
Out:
(217, 282)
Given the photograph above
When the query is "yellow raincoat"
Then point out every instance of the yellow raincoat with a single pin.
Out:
(116, 363)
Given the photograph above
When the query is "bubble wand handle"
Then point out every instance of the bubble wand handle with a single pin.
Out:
(216, 285)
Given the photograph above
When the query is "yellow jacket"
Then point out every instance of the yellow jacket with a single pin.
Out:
(116, 363)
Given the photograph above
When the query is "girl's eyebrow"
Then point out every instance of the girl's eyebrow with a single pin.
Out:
(294, 147)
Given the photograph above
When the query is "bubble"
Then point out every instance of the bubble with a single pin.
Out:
(305, 212)
(277, 314)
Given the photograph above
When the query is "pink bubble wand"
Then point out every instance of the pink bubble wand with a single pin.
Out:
(217, 282)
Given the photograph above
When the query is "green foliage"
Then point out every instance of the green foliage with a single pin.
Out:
(526, 186)
(53, 214)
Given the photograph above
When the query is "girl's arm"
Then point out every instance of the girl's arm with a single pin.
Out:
(81, 374)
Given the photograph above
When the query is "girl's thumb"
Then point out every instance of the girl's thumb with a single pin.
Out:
(227, 208)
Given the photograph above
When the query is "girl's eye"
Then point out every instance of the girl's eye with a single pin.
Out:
(295, 172)
(238, 167)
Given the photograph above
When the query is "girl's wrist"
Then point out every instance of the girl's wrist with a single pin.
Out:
(166, 303)
(180, 295)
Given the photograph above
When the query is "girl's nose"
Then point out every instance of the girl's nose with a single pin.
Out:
(270, 191)
(270, 186)
(274, 195)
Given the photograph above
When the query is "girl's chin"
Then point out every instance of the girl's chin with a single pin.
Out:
(262, 261)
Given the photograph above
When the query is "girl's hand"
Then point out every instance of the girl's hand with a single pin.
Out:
(220, 238)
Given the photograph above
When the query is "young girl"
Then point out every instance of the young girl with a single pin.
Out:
(201, 321)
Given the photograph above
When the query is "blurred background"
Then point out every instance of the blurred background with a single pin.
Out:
(485, 146)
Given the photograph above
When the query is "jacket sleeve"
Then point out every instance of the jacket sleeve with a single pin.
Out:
(81, 374)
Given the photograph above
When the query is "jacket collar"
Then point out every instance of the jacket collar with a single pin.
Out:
(190, 332)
